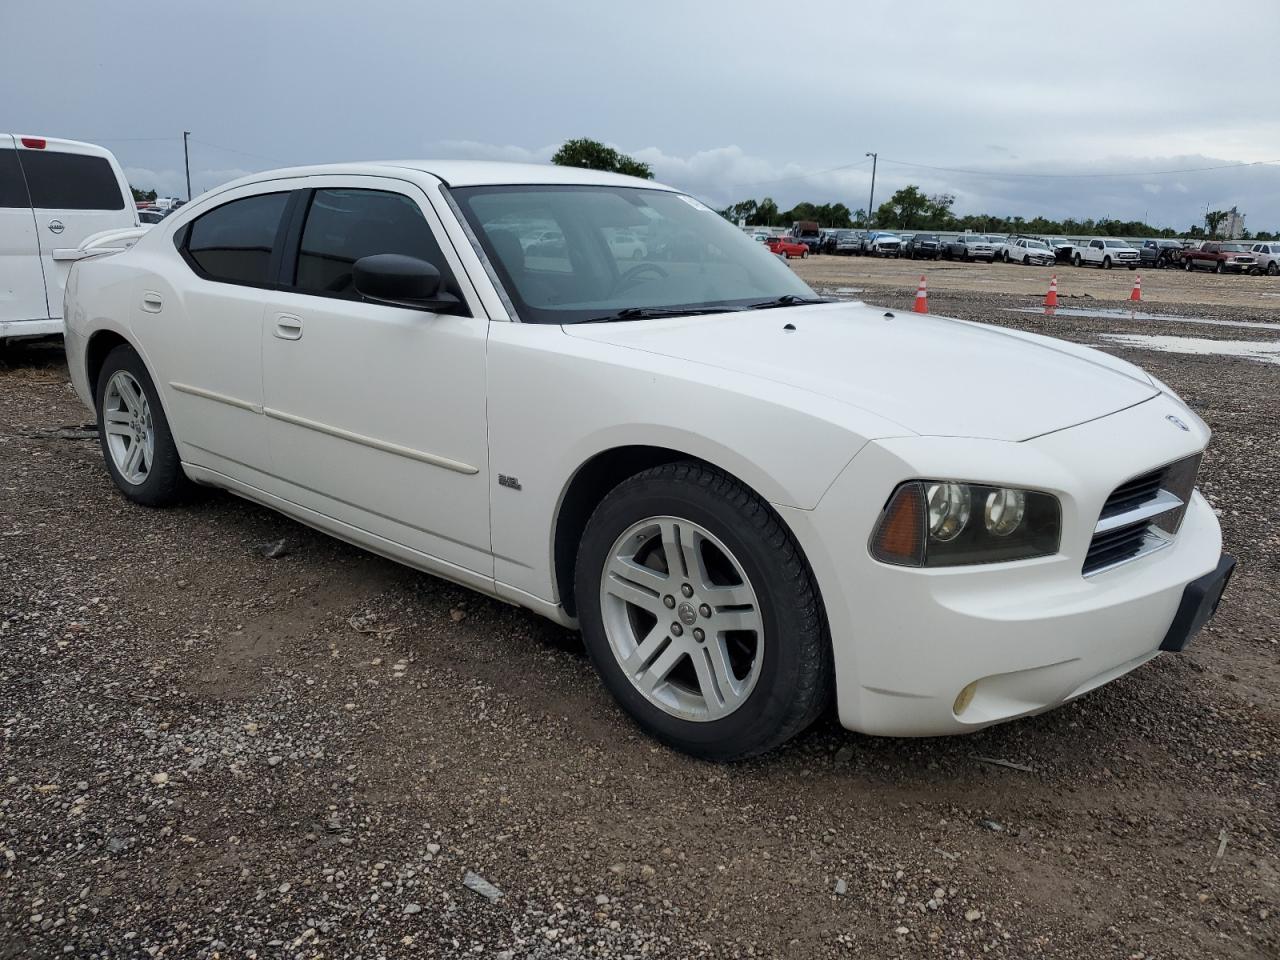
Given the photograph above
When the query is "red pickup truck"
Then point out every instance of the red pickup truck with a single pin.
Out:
(1220, 257)
(788, 246)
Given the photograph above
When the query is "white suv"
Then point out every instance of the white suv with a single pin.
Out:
(54, 195)
(1268, 257)
(1106, 253)
(752, 501)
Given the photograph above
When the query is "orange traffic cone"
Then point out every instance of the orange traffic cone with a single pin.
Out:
(1051, 298)
(1136, 296)
(922, 297)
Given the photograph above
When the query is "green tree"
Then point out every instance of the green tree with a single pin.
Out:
(907, 208)
(142, 195)
(1213, 220)
(594, 155)
(767, 213)
(744, 210)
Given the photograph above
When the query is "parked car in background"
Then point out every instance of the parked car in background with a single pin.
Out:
(1105, 253)
(923, 246)
(808, 233)
(788, 247)
(150, 216)
(970, 246)
(626, 245)
(831, 238)
(755, 504)
(1220, 257)
(1160, 253)
(1267, 256)
(849, 243)
(880, 243)
(1062, 248)
(54, 195)
(1026, 251)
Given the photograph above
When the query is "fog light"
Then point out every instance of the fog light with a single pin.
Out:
(964, 699)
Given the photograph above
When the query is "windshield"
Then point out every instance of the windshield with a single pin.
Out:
(1115, 243)
(556, 253)
(1235, 247)
(1037, 245)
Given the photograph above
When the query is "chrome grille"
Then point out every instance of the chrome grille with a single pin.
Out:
(1142, 515)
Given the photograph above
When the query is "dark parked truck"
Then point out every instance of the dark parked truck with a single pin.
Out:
(808, 233)
(1160, 253)
(1220, 257)
(924, 246)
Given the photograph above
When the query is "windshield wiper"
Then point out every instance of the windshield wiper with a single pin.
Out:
(786, 300)
(648, 313)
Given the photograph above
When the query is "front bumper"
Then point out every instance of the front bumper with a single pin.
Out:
(1019, 637)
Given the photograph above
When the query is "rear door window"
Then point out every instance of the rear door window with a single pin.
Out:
(70, 181)
(234, 243)
(344, 225)
(13, 189)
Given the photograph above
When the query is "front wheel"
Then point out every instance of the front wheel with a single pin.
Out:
(1219, 268)
(701, 614)
(1187, 266)
(133, 431)
(1075, 261)
(1106, 263)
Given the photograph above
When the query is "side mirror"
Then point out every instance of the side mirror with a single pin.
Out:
(400, 281)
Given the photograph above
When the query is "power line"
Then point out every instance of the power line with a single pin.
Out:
(243, 153)
(802, 176)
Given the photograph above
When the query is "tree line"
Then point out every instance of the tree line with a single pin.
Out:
(911, 209)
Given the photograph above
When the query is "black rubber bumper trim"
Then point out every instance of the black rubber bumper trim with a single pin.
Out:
(1199, 603)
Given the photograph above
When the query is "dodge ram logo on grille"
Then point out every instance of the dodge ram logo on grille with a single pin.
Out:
(1174, 420)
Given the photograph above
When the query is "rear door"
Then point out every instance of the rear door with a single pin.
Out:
(76, 191)
(21, 277)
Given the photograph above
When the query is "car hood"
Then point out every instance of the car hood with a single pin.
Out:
(933, 376)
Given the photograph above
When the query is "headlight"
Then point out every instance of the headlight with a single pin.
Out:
(932, 523)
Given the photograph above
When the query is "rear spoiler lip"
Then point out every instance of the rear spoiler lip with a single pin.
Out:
(100, 244)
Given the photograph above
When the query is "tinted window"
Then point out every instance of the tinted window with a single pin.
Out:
(344, 225)
(70, 181)
(233, 242)
(13, 190)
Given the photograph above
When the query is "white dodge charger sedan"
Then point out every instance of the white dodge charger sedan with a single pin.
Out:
(753, 503)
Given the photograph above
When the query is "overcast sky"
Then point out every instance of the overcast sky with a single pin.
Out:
(725, 98)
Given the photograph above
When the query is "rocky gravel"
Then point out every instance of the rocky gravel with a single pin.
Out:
(225, 735)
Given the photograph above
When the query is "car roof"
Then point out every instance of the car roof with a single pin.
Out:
(464, 173)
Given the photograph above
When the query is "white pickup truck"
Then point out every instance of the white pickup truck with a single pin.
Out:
(1106, 253)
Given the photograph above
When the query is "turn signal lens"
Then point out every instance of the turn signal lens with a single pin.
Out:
(899, 537)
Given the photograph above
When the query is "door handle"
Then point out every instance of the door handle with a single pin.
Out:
(288, 327)
(152, 302)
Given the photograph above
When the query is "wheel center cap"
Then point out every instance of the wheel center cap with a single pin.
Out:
(687, 613)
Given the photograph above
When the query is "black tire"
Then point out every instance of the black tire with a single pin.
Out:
(1219, 268)
(794, 686)
(1133, 266)
(1075, 261)
(1273, 269)
(165, 483)
(1187, 264)
(1106, 263)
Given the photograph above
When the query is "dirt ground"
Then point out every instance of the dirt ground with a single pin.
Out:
(225, 735)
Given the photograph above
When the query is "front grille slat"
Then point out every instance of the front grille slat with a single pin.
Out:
(1127, 524)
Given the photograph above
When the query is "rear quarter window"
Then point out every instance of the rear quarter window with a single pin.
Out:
(234, 243)
(70, 181)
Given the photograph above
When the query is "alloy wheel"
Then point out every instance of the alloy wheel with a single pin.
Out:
(682, 618)
(126, 418)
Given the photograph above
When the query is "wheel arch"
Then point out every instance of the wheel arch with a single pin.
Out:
(590, 484)
(99, 346)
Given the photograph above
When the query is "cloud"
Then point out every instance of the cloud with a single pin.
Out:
(173, 183)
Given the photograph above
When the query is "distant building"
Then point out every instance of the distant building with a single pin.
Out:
(1233, 226)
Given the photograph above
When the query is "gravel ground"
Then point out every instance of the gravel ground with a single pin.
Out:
(225, 735)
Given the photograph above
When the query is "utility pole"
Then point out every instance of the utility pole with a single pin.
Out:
(872, 199)
(186, 159)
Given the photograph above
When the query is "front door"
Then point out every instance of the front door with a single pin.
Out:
(21, 277)
(375, 414)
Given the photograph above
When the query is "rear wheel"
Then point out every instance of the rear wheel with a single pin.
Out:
(701, 614)
(1272, 269)
(137, 444)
